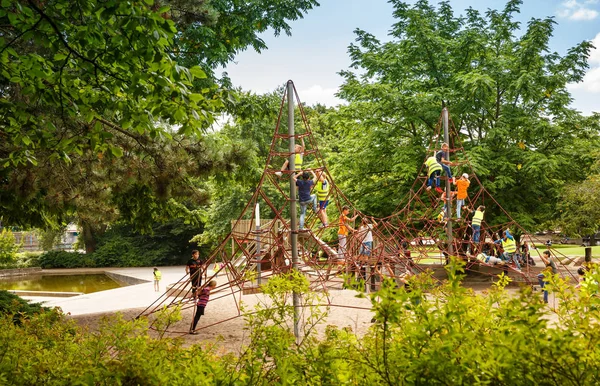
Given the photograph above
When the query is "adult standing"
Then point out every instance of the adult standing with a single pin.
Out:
(194, 269)
(550, 266)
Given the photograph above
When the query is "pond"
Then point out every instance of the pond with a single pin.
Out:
(59, 283)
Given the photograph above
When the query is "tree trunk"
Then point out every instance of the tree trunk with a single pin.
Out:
(90, 232)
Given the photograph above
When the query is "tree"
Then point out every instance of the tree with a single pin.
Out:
(100, 117)
(578, 206)
(507, 95)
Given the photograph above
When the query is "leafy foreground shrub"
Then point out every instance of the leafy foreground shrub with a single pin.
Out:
(433, 335)
(11, 304)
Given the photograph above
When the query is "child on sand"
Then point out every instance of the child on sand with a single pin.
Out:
(157, 276)
(201, 303)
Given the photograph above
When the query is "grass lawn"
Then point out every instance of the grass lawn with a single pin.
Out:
(570, 250)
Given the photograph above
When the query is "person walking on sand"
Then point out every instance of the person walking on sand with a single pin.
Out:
(550, 268)
(201, 303)
(157, 276)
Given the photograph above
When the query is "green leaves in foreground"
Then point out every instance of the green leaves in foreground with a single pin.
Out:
(433, 334)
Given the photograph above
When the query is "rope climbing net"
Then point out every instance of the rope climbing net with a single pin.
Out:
(413, 239)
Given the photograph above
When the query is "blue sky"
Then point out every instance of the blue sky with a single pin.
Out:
(317, 49)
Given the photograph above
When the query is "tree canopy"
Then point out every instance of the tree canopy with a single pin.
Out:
(104, 103)
(507, 96)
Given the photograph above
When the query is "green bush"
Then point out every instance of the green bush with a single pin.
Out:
(122, 246)
(17, 308)
(63, 259)
(8, 247)
(432, 335)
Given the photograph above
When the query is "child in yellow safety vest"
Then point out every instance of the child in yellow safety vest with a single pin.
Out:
(510, 248)
(298, 159)
(322, 189)
(434, 169)
(157, 276)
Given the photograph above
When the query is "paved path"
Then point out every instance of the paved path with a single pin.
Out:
(133, 296)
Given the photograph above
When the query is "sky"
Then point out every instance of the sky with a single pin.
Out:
(317, 49)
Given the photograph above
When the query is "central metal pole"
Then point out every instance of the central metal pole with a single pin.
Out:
(293, 225)
(448, 184)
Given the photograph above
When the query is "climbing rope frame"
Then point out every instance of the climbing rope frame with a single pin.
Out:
(410, 241)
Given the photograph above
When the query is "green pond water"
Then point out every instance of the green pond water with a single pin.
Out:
(59, 283)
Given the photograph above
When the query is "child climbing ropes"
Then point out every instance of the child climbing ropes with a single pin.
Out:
(487, 259)
(441, 158)
(322, 189)
(304, 186)
(476, 222)
(366, 235)
(201, 303)
(298, 159)
(434, 169)
(343, 231)
(442, 216)
(157, 276)
(461, 185)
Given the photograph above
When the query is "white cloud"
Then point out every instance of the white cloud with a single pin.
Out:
(317, 94)
(584, 14)
(586, 92)
(595, 53)
(575, 10)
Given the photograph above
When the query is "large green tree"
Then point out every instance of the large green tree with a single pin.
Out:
(506, 93)
(101, 118)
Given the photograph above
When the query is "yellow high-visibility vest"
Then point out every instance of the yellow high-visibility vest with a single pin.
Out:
(322, 189)
(477, 218)
(298, 159)
(432, 165)
(509, 245)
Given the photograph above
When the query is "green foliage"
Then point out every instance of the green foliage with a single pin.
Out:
(507, 95)
(8, 247)
(579, 209)
(51, 237)
(425, 334)
(63, 259)
(105, 104)
(123, 246)
(17, 309)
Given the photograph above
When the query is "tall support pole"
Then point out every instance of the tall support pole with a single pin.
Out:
(448, 185)
(293, 224)
(258, 247)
